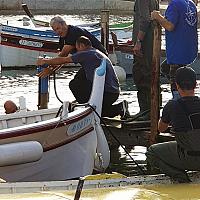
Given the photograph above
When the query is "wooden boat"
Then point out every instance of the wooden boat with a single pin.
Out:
(125, 57)
(38, 146)
(21, 46)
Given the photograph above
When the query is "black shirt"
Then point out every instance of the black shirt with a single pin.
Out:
(180, 114)
(74, 33)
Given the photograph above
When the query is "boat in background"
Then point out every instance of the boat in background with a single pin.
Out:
(45, 145)
(21, 46)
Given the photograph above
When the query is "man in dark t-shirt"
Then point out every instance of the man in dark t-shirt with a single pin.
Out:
(175, 157)
(69, 35)
(81, 86)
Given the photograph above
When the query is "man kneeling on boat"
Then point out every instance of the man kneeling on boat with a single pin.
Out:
(175, 157)
(81, 86)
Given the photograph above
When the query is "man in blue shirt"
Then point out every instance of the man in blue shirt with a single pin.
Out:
(81, 86)
(180, 23)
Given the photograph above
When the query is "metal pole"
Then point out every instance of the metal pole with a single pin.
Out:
(155, 83)
(105, 28)
(43, 90)
(79, 188)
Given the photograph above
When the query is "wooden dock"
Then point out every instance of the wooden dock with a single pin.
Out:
(130, 133)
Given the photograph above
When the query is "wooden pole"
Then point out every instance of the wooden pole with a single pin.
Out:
(155, 83)
(105, 28)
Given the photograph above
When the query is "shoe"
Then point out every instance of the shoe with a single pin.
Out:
(124, 110)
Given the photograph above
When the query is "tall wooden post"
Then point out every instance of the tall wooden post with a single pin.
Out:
(155, 82)
(105, 28)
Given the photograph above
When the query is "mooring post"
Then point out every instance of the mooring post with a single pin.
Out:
(105, 28)
(155, 83)
(43, 90)
(79, 188)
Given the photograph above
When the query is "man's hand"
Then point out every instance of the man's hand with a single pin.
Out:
(45, 72)
(137, 49)
(40, 61)
(155, 14)
(48, 71)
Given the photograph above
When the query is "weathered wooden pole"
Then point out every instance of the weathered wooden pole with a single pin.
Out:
(105, 28)
(155, 83)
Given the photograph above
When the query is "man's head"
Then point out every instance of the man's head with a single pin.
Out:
(83, 43)
(59, 25)
(10, 107)
(186, 78)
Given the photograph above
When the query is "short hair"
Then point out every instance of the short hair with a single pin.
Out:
(186, 78)
(83, 40)
(57, 19)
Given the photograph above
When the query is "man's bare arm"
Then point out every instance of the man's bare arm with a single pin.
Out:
(156, 15)
(162, 126)
(66, 50)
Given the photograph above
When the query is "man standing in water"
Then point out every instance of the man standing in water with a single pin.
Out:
(143, 46)
(180, 24)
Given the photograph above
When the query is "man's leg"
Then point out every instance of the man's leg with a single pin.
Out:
(109, 110)
(165, 157)
(142, 80)
(81, 87)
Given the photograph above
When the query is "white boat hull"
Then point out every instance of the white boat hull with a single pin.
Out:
(73, 144)
(21, 57)
(68, 152)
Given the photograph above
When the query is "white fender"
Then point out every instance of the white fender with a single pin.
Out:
(20, 153)
(121, 73)
(102, 159)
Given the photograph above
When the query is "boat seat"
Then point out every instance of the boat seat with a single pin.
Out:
(28, 117)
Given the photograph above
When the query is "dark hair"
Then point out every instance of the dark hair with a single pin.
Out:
(186, 78)
(84, 40)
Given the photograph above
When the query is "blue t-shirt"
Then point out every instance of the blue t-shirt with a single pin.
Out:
(90, 60)
(182, 42)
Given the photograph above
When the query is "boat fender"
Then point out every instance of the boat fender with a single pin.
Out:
(102, 158)
(20, 153)
(120, 72)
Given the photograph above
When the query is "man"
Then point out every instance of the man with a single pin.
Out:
(175, 157)
(81, 86)
(180, 24)
(10, 107)
(69, 34)
(143, 46)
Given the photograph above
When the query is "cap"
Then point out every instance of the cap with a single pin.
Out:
(186, 78)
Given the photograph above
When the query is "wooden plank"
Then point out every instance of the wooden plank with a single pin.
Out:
(155, 83)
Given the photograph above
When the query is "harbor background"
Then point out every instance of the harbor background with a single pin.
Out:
(122, 7)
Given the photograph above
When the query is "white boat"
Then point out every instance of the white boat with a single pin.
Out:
(38, 146)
